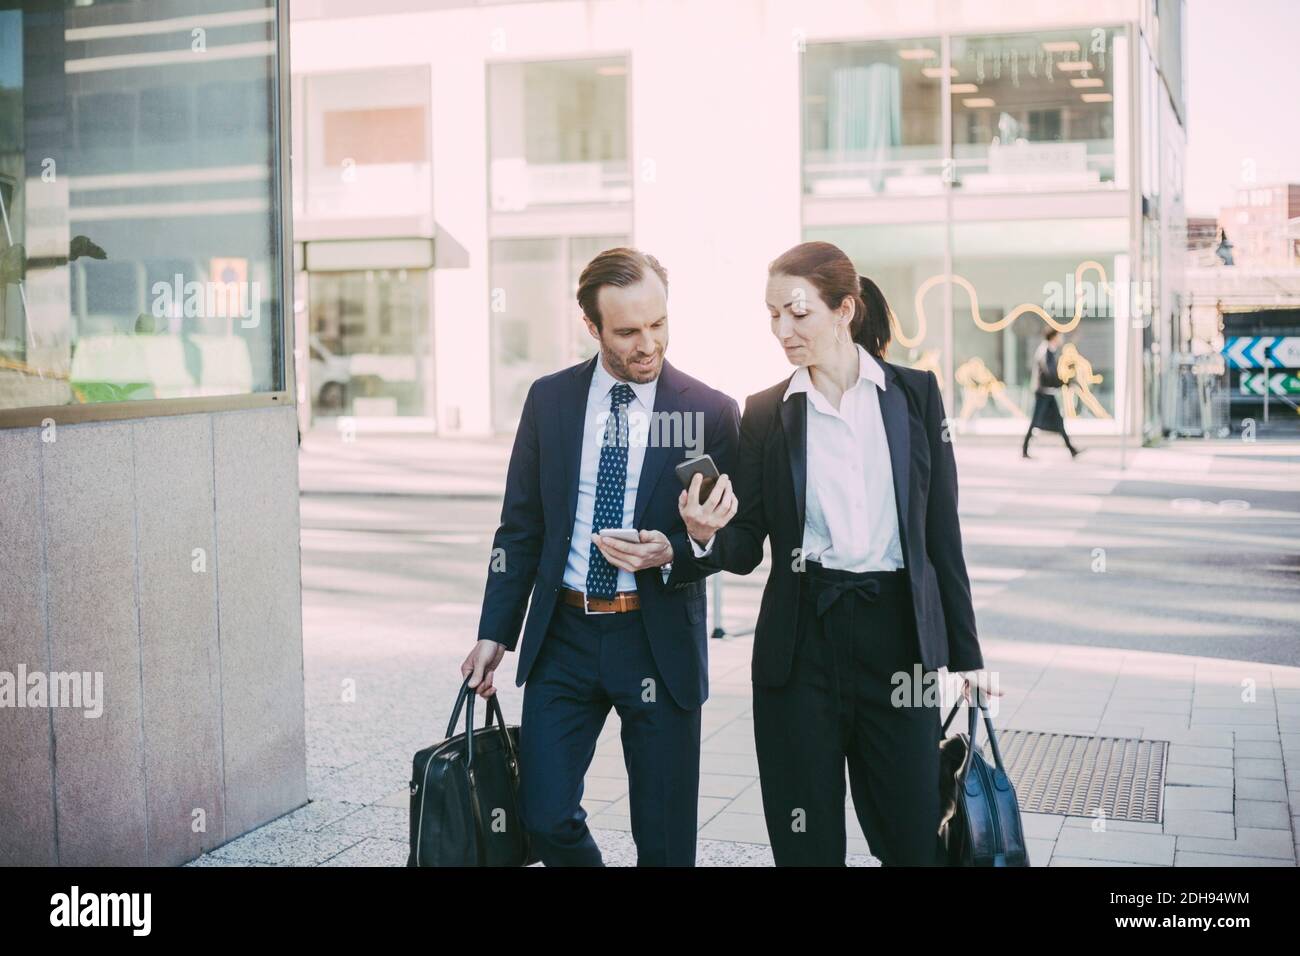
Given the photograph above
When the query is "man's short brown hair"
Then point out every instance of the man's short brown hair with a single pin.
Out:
(620, 267)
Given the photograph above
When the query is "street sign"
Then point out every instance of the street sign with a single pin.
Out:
(1286, 352)
(1279, 383)
(1253, 351)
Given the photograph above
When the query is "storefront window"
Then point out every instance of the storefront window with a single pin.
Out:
(368, 347)
(138, 185)
(364, 143)
(558, 133)
(873, 118)
(1011, 281)
(1034, 111)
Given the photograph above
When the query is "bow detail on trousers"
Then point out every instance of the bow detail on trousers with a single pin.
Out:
(830, 592)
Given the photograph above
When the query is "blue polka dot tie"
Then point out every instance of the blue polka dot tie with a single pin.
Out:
(611, 487)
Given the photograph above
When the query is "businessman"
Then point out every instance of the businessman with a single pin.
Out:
(611, 623)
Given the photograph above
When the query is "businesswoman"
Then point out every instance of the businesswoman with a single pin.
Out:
(846, 467)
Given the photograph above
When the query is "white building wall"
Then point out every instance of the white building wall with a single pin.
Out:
(714, 129)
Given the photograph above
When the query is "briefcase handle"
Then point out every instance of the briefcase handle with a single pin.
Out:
(982, 707)
(466, 699)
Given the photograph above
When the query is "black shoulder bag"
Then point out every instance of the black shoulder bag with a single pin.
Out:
(465, 794)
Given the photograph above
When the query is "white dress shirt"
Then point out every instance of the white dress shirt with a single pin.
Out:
(851, 519)
(593, 430)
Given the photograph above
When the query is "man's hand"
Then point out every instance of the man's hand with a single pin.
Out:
(481, 665)
(654, 550)
(704, 519)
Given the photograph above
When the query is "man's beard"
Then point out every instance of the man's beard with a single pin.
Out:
(625, 370)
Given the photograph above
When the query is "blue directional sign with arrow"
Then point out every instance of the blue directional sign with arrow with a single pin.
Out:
(1260, 351)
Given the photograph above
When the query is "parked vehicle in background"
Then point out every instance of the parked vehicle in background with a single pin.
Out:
(330, 377)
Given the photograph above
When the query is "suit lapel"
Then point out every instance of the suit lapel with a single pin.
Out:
(898, 430)
(668, 398)
(572, 414)
(794, 420)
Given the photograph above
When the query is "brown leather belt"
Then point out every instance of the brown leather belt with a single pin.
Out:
(622, 601)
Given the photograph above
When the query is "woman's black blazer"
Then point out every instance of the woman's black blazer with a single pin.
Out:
(771, 479)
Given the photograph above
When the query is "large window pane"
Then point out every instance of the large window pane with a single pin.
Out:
(138, 190)
(1034, 111)
(872, 118)
(369, 347)
(537, 327)
(558, 133)
(1004, 273)
(366, 143)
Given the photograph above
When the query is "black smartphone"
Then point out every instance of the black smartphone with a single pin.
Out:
(703, 465)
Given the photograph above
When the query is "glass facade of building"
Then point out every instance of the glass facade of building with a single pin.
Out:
(139, 176)
(369, 331)
(361, 143)
(1034, 111)
(361, 154)
(149, 524)
(1029, 112)
(999, 268)
(558, 133)
(1033, 123)
(1058, 266)
(995, 182)
(873, 118)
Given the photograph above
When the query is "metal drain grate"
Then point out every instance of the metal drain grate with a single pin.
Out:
(1074, 775)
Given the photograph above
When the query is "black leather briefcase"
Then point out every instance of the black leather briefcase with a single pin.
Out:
(465, 794)
(980, 823)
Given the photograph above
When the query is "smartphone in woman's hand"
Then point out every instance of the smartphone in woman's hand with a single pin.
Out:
(703, 465)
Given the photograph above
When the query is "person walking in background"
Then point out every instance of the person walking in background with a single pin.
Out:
(611, 622)
(1047, 414)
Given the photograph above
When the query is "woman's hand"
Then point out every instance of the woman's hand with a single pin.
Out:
(980, 680)
(704, 519)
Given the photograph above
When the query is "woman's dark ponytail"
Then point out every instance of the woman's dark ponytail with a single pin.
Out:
(871, 322)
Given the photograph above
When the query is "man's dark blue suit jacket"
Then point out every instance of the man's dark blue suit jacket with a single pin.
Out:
(541, 500)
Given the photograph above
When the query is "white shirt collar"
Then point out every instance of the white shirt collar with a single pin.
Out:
(602, 383)
(869, 368)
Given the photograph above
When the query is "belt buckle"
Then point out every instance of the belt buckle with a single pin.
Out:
(586, 608)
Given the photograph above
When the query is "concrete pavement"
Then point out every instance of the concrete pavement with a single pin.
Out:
(1159, 602)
